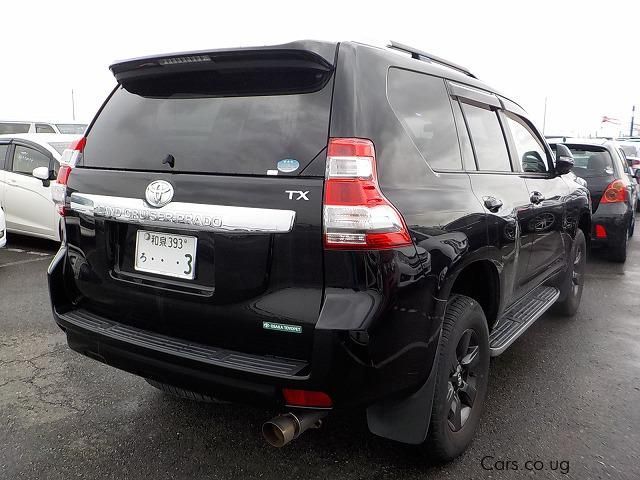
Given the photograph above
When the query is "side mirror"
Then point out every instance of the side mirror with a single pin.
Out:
(43, 174)
(564, 159)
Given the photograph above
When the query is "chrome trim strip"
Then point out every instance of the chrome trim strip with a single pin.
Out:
(192, 216)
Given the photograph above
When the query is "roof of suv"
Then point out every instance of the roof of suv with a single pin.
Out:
(323, 49)
(45, 140)
(42, 137)
(583, 141)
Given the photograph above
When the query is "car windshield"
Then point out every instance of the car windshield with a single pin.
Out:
(11, 127)
(591, 161)
(72, 128)
(59, 146)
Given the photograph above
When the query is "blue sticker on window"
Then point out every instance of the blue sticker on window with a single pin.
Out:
(288, 165)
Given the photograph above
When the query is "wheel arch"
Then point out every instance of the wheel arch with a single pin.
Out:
(584, 224)
(478, 279)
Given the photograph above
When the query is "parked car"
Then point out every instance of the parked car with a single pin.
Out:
(315, 226)
(614, 192)
(19, 127)
(3, 229)
(28, 168)
(631, 153)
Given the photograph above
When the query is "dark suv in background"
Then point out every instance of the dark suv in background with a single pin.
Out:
(316, 226)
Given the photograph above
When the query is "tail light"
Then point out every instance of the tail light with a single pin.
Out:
(306, 398)
(72, 155)
(601, 232)
(615, 192)
(70, 158)
(356, 213)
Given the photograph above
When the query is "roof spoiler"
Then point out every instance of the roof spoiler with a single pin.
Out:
(229, 59)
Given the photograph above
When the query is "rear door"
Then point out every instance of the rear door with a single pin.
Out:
(502, 191)
(548, 195)
(5, 146)
(235, 258)
(28, 205)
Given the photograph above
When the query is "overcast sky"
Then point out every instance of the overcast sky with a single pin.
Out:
(581, 55)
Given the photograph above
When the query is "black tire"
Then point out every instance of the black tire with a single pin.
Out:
(618, 251)
(450, 434)
(573, 283)
(182, 393)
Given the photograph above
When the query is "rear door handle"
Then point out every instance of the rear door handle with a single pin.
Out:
(536, 197)
(493, 204)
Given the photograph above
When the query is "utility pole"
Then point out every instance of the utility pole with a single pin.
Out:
(633, 114)
(544, 118)
(73, 105)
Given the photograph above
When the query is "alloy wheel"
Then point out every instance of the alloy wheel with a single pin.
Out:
(463, 380)
(577, 276)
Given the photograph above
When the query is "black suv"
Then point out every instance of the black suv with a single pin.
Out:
(315, 226)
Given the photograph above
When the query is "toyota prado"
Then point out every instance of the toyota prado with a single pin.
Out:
(315, 226)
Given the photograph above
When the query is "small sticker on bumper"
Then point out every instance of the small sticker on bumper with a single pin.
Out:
(282, 327)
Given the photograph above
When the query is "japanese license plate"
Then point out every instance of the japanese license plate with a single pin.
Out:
(166, 254)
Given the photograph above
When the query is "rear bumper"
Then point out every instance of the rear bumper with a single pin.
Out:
(337, 368)
(184, 364)
(615, 218)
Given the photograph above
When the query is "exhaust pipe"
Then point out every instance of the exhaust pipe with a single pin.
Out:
(282, 429)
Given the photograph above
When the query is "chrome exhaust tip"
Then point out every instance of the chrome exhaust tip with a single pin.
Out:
(282, 429)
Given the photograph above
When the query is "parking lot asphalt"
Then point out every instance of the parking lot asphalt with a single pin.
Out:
(565, 395)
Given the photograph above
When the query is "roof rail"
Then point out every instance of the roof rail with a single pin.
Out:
(424, 56)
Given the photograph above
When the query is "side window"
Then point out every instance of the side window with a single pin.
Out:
(529, 151)
(422, 105)
(10, 128)
(468, 160)
(3, 154)
(25, 159)
(488, 139)
(44, 128)
(623, 166)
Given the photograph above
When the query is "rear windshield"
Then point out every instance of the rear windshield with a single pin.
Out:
(591, 161)
(231, 123)
(71, 128)
(8, 127)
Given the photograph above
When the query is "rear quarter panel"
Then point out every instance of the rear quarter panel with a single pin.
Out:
(445, 219)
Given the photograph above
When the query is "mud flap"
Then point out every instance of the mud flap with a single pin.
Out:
(407, 419)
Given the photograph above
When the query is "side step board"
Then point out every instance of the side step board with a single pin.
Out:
(519, 317)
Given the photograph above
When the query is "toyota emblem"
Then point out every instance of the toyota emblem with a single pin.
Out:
(159, 193)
